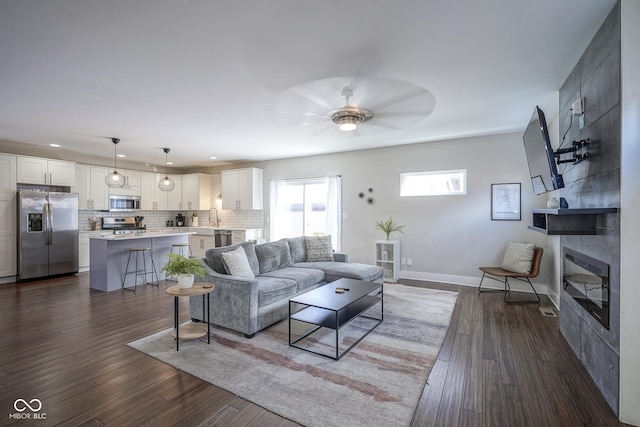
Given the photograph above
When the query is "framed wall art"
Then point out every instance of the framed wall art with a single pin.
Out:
(505, 202)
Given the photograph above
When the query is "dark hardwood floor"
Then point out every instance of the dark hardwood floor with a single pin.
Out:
(65, 345)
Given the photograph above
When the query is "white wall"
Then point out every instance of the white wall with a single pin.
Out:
(447, 237)
(630, 205)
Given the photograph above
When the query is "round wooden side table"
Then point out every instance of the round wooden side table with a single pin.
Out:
(191, 330)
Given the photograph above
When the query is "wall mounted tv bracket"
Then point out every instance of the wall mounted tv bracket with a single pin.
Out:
(578, 150)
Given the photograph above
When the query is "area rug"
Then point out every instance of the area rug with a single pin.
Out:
(378, 383)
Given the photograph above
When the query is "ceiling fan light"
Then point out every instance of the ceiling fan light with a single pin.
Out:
(347, 126)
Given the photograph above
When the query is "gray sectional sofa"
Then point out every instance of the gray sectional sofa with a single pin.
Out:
(281, 270)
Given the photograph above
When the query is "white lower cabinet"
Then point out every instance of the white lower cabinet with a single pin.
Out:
(8, 260)
(200, 244)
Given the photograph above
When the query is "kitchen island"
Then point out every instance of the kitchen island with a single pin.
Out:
(109, 254)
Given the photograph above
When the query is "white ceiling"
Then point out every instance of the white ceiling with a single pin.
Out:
(202, 76)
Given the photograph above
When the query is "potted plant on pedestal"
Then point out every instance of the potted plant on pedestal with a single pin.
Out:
(389, 226)
(184, 268)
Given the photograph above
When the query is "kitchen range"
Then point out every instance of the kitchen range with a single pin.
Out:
(124, 225)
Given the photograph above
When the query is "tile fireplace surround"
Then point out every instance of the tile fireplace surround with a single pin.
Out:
(596, 183)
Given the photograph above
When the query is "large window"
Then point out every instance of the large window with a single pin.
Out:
(433, 183)
(306, 207)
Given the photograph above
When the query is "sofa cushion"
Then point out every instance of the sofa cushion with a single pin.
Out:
(336, 270)
(518, 257)
(297, 248)
(273, 256)
(304, 277)
(236, 263)
(272, 289)
(213, 257)
(318, 248)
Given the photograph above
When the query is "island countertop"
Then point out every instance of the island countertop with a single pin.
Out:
(143, 235)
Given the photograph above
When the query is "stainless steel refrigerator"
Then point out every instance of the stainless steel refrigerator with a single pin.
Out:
(47, 234)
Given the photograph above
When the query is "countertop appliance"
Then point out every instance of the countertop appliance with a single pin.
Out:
(119, 203)
(124, 225)
(180, 220)
(47, 234)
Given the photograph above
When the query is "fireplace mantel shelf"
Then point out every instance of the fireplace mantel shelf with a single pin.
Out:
(581, 221)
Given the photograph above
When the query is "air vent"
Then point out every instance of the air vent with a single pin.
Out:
(548, 312)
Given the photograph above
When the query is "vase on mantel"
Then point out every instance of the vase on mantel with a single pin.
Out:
(553, 203)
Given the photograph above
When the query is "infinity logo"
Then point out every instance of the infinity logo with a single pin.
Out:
(24, 405)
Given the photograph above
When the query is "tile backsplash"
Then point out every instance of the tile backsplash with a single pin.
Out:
(157, 219)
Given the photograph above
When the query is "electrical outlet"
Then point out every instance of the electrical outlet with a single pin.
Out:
(577, 107)
(404, 261)
(409, 262)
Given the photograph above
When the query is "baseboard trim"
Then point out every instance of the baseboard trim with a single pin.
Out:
(475, 281)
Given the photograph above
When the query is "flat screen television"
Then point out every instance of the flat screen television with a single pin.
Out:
(542, 163)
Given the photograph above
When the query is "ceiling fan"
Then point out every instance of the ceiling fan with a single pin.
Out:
(370, 105)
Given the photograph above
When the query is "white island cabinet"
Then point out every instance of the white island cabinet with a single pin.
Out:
(109, 254)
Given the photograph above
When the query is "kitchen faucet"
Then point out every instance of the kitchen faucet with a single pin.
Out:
(217, 218)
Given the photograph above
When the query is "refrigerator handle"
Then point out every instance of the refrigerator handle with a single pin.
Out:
(50, 224)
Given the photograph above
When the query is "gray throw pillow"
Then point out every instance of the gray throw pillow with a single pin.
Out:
(518, 257)
(318, 248)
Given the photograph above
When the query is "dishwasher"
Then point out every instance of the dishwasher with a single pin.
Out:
(222, 238)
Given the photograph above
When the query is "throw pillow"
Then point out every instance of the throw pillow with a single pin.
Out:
(318, 248)
(236, 263)
(518, 257)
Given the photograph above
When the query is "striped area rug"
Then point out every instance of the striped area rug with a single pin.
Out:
(378, 383)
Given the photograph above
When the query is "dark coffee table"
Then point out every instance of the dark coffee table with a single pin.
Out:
(324, 308)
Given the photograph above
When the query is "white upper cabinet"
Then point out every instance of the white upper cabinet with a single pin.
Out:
(196, 192)
(92, 190)
(174, 197)
(242, 189)
(151, 197)
(36, 170)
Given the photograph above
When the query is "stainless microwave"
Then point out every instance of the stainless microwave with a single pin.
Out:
(123, 203)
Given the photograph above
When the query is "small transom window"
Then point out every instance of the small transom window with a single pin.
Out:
(433, 183)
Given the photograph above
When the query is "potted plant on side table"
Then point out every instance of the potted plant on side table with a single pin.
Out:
(184, 268)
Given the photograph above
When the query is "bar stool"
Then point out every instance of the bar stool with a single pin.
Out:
(140, 272)
(181, 248)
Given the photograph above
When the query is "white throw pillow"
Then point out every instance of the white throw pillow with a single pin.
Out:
(518, 257)
(236, 263)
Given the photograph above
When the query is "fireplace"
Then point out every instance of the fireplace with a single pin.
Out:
(586, 280)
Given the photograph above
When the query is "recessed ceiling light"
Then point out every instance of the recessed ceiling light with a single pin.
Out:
(54, 145)
(213, 158)
(121, 155)
(169, 163)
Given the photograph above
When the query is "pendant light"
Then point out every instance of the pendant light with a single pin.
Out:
(166, 183)
(115, 179)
